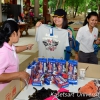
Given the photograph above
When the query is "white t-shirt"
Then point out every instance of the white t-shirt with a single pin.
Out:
(51, 46)
(86, 39)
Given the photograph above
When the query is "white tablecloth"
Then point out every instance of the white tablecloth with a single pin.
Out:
(23, 95)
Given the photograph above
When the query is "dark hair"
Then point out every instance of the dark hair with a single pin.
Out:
(6, 30)
(89, 16)
(10, 16)
(20, 17)
(61, 12)
(64, 24)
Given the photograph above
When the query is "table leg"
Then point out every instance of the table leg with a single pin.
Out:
(26, 32)
(21, 33)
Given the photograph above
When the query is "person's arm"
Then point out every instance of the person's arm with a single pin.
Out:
(68, 53)
(76, 49)
(97, 39)
(79, 35)
(22, 48)
(76, 55)
(37, 25)
(4, 64)
(75, 44)
(6, 77)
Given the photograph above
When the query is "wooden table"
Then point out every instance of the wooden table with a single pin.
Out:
(23, 27)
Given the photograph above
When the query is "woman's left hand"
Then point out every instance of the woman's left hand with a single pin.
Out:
(29, 46)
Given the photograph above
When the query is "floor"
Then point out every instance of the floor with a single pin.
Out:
(28, 56)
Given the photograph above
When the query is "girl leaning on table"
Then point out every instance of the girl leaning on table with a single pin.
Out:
(9, 64)
(87, 36)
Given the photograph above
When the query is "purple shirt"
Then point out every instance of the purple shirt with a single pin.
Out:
(8, 61)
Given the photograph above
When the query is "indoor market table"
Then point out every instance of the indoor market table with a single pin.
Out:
(23, 95)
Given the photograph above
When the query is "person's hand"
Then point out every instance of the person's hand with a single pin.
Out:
(97, 41)
(38, 24)
(24, 75)
(29, 46)
(76, 57)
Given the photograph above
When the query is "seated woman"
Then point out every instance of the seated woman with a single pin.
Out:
(19, 19)
(10, 17)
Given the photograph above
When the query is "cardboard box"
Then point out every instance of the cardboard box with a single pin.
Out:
(12, 90)
(93, 70)
(15, 86)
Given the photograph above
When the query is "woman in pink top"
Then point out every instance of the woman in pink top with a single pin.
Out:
(9, 64)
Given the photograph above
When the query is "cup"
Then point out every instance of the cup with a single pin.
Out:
(82, 73)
